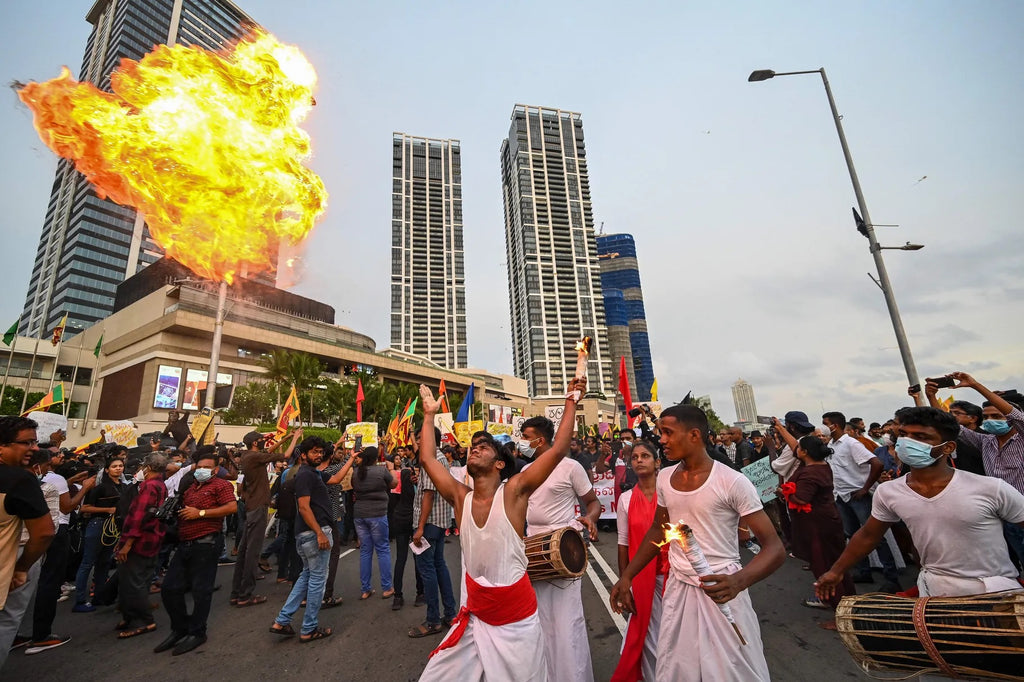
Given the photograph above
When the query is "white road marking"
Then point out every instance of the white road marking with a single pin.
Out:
(346, 552)
(602, 591)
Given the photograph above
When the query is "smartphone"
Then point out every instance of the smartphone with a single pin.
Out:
(359, 444)
(943, 382)
(764, 420)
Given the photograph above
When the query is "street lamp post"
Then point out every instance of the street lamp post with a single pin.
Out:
(869, 232)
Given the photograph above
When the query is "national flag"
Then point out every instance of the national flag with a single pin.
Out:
(289, 411)
(627, 399)
(654, 391)
(359, 401)
(945, 404)
(10, 334)
(58, 331)
(442, 399)
(84, 447)
(99, 345)
(405, 423)
(392, 429)
(55, 396)
(465, 409)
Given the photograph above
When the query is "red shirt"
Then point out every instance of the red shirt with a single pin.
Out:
(139, 524)
(214, 493)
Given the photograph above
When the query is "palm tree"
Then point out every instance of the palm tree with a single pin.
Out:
(275, 368)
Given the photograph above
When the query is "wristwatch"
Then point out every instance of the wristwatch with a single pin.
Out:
(202, 512)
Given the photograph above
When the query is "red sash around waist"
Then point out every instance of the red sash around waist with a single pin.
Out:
(492, 605)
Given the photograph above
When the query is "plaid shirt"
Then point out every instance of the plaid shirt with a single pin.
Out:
(139, 523)
(441, 512)
(214, 493)
(1007, 462)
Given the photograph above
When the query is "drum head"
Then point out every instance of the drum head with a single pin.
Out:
(572, 550)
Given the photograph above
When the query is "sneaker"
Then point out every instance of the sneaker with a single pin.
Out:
(20, 641)
(752, 546)
(51, 642)
(420, 600)
(87, 607)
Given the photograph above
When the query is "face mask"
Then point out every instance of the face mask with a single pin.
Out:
(914, 453)
(203, 475)
(140, 475)
(523, 446)
(997, 427)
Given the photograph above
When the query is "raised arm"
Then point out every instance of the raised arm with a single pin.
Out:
(533, 477)
(339, 475)
(1000, 403)
(450, 489)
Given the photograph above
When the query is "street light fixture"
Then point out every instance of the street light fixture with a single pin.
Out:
(906, 247)
(867, 228)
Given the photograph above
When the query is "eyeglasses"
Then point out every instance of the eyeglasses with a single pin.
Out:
(26, 443)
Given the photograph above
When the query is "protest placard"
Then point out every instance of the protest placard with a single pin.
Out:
(764, 479)
(121, 432)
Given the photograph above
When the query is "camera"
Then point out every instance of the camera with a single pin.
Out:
(635, 412)
(169, 509)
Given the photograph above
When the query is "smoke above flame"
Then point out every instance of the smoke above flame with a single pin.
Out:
(206, 146)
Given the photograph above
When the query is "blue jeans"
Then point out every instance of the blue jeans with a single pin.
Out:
(1014, 535)
(311, 582)
(855, 514)
(94, 556)
(373, 536)
(434, 571)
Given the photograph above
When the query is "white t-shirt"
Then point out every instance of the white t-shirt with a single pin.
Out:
(785, 464)
(851, 464)
(622, 517)
(553, 505)
(61, 484)
(959, 532)
(713, 512)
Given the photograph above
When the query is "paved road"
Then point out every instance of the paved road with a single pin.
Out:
(370, 642)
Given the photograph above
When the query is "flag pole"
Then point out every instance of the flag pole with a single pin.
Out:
(28, 381)
(7, 373)
(92, 387)
(74, 374)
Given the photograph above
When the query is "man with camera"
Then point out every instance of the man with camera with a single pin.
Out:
(193, 567)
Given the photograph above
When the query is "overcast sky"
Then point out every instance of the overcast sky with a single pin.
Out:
(736, 192)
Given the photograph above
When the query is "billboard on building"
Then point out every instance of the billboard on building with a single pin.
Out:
(168, 385)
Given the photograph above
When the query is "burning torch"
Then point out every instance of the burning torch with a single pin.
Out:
(582, 356)
(683, 534)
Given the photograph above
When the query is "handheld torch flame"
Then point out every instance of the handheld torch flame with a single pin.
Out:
(583, 355)
(206, 146)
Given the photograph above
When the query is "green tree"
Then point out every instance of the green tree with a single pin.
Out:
(12, 401)
(251, 403)
(275, 369)
(714, 422)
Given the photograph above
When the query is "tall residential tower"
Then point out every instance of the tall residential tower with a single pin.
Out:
(743, 399)
(620, 281)
(90, 245)
(428, 277)
(553, 273)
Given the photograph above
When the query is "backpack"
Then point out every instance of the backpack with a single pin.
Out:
(124, 503)
(286, 503)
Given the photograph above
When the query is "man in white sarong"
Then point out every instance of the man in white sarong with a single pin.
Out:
(497, 635)
(695, 640)
(553, 506)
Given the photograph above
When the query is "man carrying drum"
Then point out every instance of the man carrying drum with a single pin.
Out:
(560, 601)
(955, 517)
(497, 634)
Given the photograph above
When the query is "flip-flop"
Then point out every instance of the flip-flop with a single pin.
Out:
(424, 630)
(135, 632)
(387, 595)
(319, 633)
(283, 631)
(366, 595)
(251, 601)
(331, 602)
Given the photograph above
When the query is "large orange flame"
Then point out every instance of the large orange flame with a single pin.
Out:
(207, 147)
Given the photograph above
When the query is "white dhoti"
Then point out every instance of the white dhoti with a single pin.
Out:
(560, 606)
(492, 653)
(932, 584)
(696, 642)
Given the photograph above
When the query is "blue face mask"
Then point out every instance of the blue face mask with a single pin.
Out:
(997, 427)
(914, 453)
(203, 475)
(523, 446)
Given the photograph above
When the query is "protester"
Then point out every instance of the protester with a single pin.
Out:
(694, 641)
(855, 469)
(497, 634)
(23, 511)
(283, 493)
(329, 467)
(969, 416)
(400, 527)
(760, 448)
(313, 537)
(206, 502)
(371, 484)
(955, 517)
(635, 514)
(818, 536)
(744, 450)
(431, 514)
(100, 536)
(138, 548)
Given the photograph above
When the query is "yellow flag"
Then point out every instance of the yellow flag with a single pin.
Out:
(654, 390)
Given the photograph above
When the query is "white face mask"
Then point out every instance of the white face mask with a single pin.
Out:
(140, 475)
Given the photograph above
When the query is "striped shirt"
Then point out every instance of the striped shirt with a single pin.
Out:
(1007, 462)
(441, 512)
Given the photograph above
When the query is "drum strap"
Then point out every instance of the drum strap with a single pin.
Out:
(921, 627)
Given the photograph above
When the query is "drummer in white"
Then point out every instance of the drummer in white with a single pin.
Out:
(553, 506)
(497, 634)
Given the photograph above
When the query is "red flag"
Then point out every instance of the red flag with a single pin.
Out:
(359, 401)
(624, 389)
(442, 397)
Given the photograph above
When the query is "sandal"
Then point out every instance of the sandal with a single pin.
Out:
(264, 565)
(282, 630)
(251, 601)
(387, 595)
(233, 601)
(425, 630)
(319, 633)
(121, 625)
(331, 602)
(366, 595)
(135, 632)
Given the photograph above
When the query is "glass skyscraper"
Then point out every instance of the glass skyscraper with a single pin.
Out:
(90, 245)
(554, 288)
(428, 278)
(620, 281)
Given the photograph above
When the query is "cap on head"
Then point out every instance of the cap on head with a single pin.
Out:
(798, 418)
(252, 437)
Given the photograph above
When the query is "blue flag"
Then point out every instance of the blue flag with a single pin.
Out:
(467, 404)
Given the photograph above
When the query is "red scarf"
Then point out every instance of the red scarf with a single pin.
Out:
(492, 605)
(641, 516)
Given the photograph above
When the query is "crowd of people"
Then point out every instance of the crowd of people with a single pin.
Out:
(118, 526)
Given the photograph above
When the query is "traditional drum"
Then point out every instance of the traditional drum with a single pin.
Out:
(977, 636)
(558, 554)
